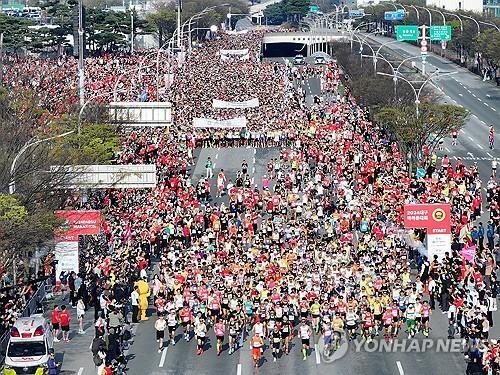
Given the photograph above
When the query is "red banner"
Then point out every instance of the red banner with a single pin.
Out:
(434, 217)
(77, 223)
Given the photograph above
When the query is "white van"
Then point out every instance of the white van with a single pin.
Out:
(29, 344)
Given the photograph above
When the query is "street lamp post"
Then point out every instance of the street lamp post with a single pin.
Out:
(461, 34)
(32, 142)
(81, 57)
(417, 12)
(473, 19)
(353, 31)
(378, 51)
(80, 113)
(416, 92)
(489, 24)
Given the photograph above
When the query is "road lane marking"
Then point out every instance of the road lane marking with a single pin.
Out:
(253, 169)
(238, 369)
(446, 148)
(163, 357)
(459, 94)
(474, 95)
(486, 104)
(254, 159)
(488, 95)
(494, 109)
(80, 371)
(491, 156)
(471, 138)
(454, 157)
(254, 151)
(216, 156)
(470, 153)
(316, 351)
(400, 368)
(481, 147)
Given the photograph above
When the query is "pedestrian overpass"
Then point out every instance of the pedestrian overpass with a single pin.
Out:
(288, 44)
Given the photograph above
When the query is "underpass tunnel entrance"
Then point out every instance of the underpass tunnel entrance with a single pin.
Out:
(284, 49)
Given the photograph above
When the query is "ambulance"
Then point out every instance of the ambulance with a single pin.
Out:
(29, 344)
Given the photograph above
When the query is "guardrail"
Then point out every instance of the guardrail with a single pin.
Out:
(30, 307)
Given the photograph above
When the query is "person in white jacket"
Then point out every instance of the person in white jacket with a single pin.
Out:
(80, 313)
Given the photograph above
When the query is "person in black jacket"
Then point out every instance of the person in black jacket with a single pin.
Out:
(474, 367)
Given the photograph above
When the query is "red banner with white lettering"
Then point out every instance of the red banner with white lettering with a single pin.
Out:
(77, 223)
(434, 217)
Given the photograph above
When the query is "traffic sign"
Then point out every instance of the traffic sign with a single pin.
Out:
(394, 16)
(407, 32)
(313, 9)
(356, 13)
(442, 33)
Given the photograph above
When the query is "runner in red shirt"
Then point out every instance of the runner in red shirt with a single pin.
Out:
(54, 319)
(64, 319)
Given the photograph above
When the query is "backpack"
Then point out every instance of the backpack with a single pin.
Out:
(97, 360)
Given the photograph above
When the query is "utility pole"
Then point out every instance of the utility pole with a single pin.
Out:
(423, 50)
(81, 58)
(1, 59)
(179, 11)
(131, 30)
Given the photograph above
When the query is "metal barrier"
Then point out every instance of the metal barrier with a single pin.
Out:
(30, 307)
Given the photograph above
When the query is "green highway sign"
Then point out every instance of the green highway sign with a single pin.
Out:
(313, 9)
(442, 33)
(406, 32)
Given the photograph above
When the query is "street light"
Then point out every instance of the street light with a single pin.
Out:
(429, 12)
(490, 24)
(418, 92)
(356, 28)
(80, 113)
(417, 12)
(32, 142)
(81, 58)
(473, 19)
(461, 33)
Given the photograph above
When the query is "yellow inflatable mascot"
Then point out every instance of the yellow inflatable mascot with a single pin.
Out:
(144, 293)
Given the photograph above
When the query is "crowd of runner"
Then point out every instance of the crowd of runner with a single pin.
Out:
(329, 211)
(315, 249)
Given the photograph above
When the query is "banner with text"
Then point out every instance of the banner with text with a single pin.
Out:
(237, 52)
(78, 223)
(435, 218)
(237, 122)
(66, 254)
(252, 103)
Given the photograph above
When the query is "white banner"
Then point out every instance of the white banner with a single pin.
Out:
(67, 257)
(238, 52)
(252, 103)
(237, 122)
